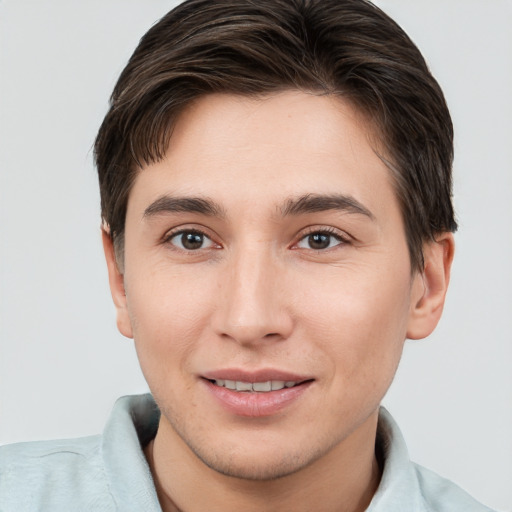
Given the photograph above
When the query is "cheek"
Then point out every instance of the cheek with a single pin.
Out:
(168, 312)
(359, 320)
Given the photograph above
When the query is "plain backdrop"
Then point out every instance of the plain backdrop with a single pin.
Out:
(62, 362)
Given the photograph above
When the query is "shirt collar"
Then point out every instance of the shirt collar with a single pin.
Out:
(399, 489)
(134, 422)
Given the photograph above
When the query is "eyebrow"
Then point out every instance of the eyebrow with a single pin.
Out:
(170, 204)
(308, 203)
(311, 203)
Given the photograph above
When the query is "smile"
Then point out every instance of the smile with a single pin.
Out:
(260, 387)
(256, 395)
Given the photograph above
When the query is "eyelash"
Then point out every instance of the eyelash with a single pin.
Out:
(191, 231)
(325, 231)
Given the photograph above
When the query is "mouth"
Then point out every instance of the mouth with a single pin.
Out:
(258, 387)
(258, 394)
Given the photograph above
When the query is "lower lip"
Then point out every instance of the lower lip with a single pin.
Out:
(256, 404)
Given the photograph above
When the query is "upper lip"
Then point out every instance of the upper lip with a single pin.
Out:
(261, 375)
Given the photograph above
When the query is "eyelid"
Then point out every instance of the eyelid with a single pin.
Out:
(342, 236)
(179, 230)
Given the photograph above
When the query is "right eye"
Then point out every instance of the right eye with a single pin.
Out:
(190, 240)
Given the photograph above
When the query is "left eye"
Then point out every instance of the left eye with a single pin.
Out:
(191, 240)
(320, 240)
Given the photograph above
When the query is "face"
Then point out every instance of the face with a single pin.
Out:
(267, 253)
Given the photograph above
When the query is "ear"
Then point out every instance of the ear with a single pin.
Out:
(430, 287)
(116, 282)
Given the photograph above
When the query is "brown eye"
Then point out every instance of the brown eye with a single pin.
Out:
(191, 240)
(320, 240)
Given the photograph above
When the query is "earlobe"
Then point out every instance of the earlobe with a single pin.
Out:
(430, 287)
(116, 282)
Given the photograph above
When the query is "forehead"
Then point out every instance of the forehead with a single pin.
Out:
(269, 148)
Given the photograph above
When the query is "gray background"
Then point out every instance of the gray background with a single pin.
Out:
(62, 362)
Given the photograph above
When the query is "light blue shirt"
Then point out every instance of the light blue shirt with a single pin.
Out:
(109, 473)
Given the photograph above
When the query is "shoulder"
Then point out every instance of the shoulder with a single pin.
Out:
(406, 486)
(99, 473)
(53, 473)
(442, 495)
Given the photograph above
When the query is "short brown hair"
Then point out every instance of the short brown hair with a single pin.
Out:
(348, 48)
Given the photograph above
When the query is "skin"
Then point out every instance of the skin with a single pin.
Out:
(260, 292)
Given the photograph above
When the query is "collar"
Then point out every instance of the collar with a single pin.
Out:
(132, 424)
(404, 486)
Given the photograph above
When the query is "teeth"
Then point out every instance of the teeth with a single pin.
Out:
(261, 387)
(243, 386)
(230, 384)
(277, 384)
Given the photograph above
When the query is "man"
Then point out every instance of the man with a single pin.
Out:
(275, 182)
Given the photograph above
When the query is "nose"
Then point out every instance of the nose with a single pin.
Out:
(253, 302)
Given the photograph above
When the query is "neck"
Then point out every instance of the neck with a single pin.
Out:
(343, 480)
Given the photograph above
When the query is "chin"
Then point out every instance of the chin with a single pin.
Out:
(256, 467)
(256, 457)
